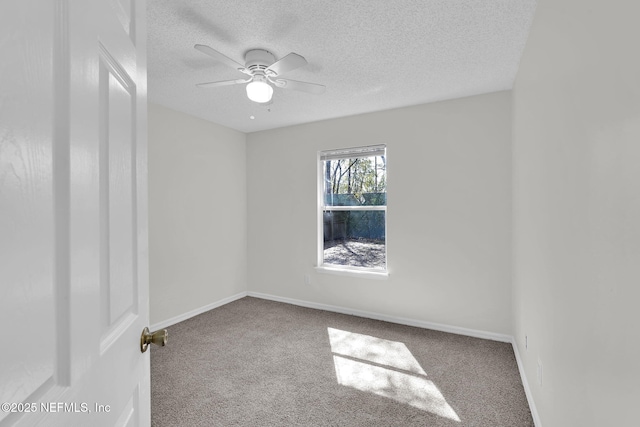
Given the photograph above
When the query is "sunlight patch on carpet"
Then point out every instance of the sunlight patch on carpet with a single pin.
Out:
(385, 368)
(371, 349)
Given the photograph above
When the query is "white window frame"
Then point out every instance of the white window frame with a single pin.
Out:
(348, 270)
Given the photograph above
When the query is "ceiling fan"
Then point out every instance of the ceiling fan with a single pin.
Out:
(262, 68)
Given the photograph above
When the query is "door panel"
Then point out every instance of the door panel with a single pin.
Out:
(27, 293)
(117, 176)
(74, 249)
(127, 416)
(123, 9)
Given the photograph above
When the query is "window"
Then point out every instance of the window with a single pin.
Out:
(352, 215)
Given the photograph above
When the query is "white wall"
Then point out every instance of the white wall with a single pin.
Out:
(449, 212)
(197, 213)
(577, 211)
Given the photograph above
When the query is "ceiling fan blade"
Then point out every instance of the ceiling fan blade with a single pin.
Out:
(223, 83)
(301, 86)
(286, 64)
(220, 57)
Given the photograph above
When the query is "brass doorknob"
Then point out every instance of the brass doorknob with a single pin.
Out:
(157, 338)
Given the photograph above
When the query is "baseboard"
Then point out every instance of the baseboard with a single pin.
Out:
(393, 319)
(525, 384)
(192, 313)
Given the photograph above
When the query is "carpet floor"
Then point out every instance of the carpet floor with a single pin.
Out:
(259, 363)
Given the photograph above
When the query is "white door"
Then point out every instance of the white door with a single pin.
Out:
(73, 213)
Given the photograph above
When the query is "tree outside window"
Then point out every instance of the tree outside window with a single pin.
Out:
(353, 204)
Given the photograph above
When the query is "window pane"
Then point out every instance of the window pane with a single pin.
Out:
(355, 238)
(359, 181)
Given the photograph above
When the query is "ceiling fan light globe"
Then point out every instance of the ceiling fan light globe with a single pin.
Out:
(258, 91)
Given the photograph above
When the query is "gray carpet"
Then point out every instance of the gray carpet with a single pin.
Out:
(262, 363)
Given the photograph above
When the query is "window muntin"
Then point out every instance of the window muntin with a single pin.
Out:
(353, 205)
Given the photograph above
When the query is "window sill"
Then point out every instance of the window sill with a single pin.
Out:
(352, 272)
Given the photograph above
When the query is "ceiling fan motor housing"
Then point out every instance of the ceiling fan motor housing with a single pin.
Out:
(258, 60)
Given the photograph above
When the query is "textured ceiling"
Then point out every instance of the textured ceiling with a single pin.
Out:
(372, 55)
